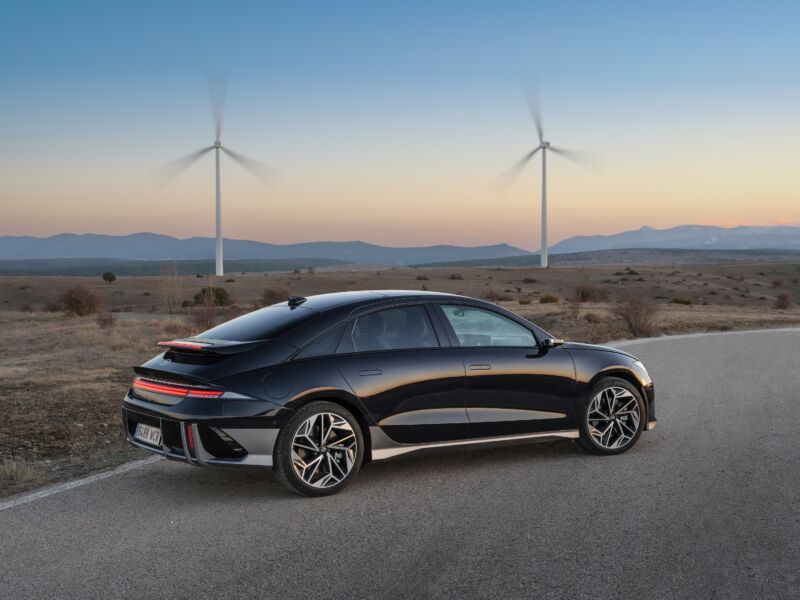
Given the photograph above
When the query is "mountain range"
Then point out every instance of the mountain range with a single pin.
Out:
(688, 237)
(152, 246)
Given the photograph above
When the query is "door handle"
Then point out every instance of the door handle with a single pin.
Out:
(368, 372)
(480, 367)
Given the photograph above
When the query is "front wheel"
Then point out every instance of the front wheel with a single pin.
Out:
(613, 417)
(319, 450)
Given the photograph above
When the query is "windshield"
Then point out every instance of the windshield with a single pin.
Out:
(262, 324)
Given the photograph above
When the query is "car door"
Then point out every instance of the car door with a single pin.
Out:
(514, 386)
(411, 382)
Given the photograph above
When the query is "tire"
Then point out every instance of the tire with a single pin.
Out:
(312, 463)
(612, 418)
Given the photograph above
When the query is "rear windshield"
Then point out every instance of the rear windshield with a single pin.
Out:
(262, 324)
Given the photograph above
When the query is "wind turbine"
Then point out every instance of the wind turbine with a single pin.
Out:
(510, 176)
(168, 172)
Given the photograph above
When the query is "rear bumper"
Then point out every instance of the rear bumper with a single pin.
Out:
(234, 442)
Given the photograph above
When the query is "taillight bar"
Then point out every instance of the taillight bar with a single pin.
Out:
(174, 390)
(184, 345)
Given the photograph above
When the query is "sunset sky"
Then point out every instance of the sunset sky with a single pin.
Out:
(390, 121)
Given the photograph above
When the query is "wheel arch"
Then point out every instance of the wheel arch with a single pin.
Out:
(346, 401)
(626, 375)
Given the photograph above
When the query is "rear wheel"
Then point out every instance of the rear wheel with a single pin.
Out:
(319, 450)
(613, 417)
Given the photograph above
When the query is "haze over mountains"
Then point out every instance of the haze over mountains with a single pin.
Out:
(150, 246)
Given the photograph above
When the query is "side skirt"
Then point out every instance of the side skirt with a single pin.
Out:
(384, 447)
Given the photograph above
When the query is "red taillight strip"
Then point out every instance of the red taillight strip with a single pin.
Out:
(185, 345)
(173, 390)
(169, 390)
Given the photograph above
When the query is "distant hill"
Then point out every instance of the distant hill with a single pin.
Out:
(151, 246)
(633, 256)
(91, 267)
(688, 237)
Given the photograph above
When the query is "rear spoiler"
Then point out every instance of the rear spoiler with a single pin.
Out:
(201, 346)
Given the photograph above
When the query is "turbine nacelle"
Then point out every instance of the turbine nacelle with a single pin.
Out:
(544, 144)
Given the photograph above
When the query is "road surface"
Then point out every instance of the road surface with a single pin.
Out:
(705, 506)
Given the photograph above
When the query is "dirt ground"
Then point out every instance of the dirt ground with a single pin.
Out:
(62, 376)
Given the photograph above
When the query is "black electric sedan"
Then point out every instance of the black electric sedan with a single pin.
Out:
(314, 387)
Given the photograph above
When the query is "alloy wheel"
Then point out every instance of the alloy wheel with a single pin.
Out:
(613, 418)
(324, 450)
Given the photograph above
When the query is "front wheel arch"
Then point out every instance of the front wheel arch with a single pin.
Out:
(620, 373)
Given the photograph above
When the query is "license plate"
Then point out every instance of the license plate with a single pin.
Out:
(148, 434)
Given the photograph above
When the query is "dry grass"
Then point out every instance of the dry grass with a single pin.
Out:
(61, 382)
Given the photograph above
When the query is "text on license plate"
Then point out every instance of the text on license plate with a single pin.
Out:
(148, 434)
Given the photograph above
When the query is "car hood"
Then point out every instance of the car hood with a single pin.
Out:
(595, 348)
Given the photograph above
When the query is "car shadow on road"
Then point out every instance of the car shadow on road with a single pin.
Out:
(244, 485)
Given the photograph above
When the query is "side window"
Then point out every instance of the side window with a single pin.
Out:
(324, 345)
(398, 328)
(479, 327)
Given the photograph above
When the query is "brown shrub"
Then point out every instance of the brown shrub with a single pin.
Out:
(274, 295)
(456, 276)
(422, 278)
(524, 300)
(80, 300)
(106, 319)
(783, 301)
(176, 328)
(592, 318)
(548, 299)
(26, 308)
(493, 295)
(53, 306)
(590, 293)
(639, 312)
(202, 317)
(777, 282)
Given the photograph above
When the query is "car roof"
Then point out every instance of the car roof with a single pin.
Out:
(325, 302)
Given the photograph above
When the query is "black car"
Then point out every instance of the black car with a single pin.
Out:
(313, 387)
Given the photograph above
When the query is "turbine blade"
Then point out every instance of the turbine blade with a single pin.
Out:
(507, 179)
(217, 87)
(531, 92)
(167, 173)
(587, 160)
(266, 175)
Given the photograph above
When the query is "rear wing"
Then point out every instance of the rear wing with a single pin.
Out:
(203, 346)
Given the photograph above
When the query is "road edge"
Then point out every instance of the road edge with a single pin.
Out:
(68, 485)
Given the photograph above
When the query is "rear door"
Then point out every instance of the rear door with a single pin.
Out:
(406, 374)
(513, 385)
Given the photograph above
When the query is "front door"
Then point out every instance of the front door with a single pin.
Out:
(513, 386)
(412, 386)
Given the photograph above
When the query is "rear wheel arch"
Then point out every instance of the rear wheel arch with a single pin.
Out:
(352, 405)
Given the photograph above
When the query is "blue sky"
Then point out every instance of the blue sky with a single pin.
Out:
(376, 108)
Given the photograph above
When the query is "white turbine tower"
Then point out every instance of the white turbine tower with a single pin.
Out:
(507, 179)
(169, 171)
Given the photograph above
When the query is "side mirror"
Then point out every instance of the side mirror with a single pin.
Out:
(552, 342)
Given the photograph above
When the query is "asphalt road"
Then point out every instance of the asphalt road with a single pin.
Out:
(705, 506)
